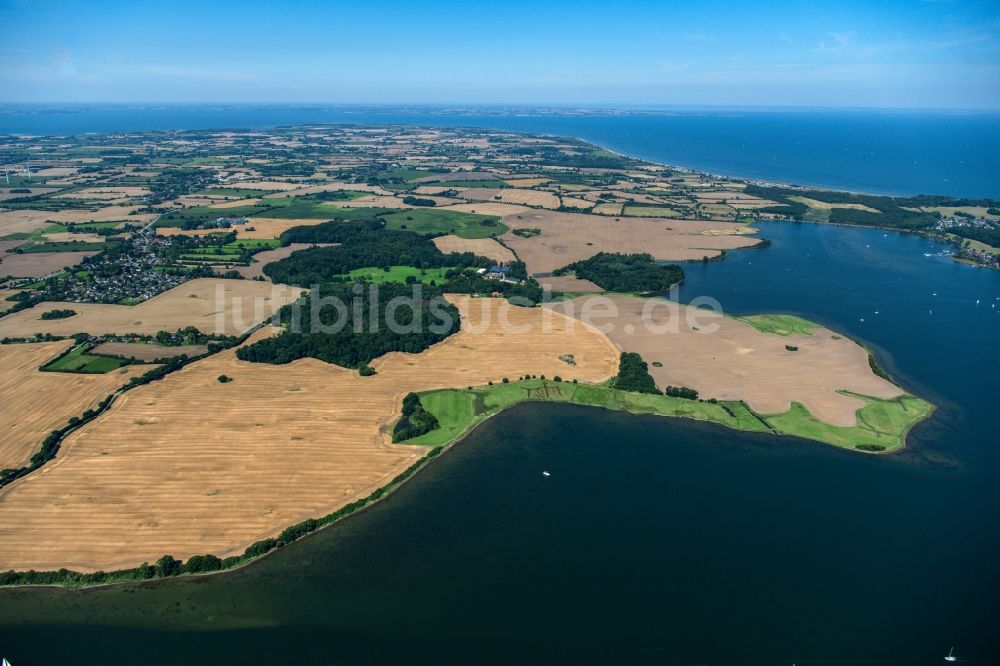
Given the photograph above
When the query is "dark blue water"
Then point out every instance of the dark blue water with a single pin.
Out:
(656, 540)
(884, 152)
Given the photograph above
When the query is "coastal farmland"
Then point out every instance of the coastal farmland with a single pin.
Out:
(217, 306)
(569, 237)
(483, 247)
(312, 437)
(730, 359)
(142, 351)
(35, 402)
(39, 264)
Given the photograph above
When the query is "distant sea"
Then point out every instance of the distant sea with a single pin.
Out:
(883, 152)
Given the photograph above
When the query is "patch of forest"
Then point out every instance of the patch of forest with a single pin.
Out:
(628, 273)
(351, 324)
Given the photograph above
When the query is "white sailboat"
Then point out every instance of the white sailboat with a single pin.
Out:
(951, 655)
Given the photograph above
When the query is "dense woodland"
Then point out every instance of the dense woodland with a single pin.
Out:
(633, 375)
(612, 271)
(359, 330)
(362, 243)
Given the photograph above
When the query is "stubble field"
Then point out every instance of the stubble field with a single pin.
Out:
(213, 305)
(570, 237)
(188, 465)
(34, 403)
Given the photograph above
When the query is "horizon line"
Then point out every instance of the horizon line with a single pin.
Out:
(590, 106)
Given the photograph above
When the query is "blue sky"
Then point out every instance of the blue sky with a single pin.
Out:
(842, 53)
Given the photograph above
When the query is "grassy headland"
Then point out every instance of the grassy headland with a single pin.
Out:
(881, 428)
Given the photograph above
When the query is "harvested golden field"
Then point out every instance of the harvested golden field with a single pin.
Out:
(8, 245)
(56, 172)
(716, 210)
(512, 196)
(236, 203)
(213, 305)
(526, 182)
(329, 187)
(261, 185)
(188, 465)
(607, 209)
(457, 176)
(488, 208)
(729, 231)
(568, 283)
(823, 205)
(17, 221)
(67, 237)
(483, 247)
(4, 295)
(142, 351)
(5, 192)
(40, 264)
(374, 201)
(729, 359)
(106, 193)
(261, 259)
(34, 403)
(436, 189)
(271, 227)
(739, 200)
(634, 197)
(190, 201)
(650, 211)
(21, 221)
(577, 203)
(569, 237)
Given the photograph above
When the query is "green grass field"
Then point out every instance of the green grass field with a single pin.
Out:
(77, 360)
(882, 424)
(431, 221)
(459, 410)
(202, 214)
(404, 174)
(780, 324)
(70, 246)
(234, 248)
(398, 274)
(456, 412)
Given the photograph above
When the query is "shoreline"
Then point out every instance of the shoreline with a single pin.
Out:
(601, 112)
(434, 452)
(392, 485)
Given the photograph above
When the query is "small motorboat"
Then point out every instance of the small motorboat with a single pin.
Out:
(546, 473)
(6, 663)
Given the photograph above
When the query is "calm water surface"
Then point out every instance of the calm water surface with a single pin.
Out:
(655, 540)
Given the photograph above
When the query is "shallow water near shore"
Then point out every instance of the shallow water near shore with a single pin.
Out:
(654, 540)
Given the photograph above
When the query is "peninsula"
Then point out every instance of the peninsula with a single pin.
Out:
(173, 300)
